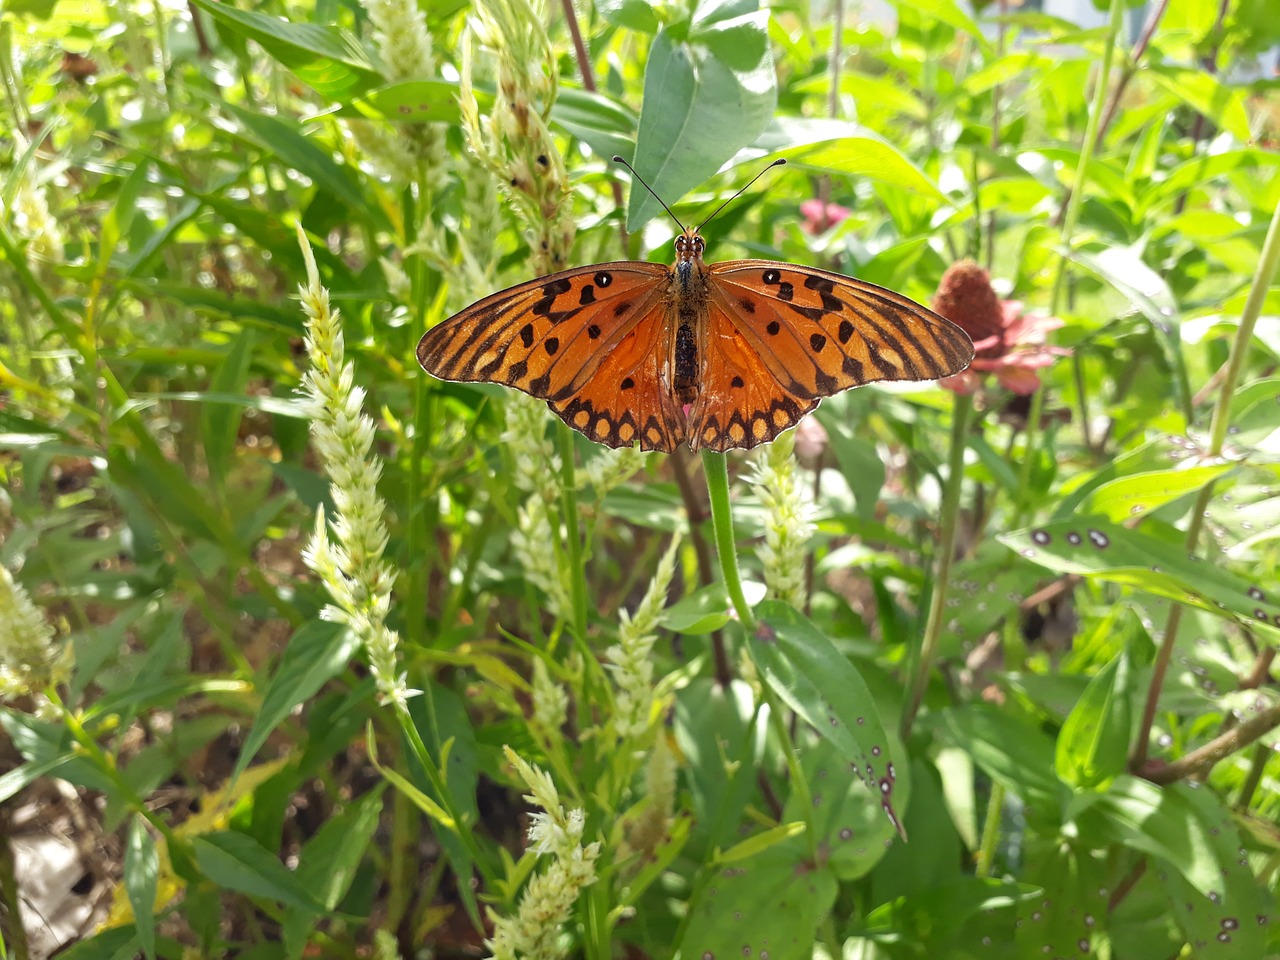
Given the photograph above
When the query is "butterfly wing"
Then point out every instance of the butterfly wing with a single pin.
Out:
(587, 340)
(780, 337)
(628, 396)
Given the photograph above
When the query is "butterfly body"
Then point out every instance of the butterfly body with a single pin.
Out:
(720, 356)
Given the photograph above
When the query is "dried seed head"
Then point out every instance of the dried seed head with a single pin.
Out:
(966, 298)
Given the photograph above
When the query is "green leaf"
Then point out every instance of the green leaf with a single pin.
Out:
(283, 140)
(638, 15)
(859, 461)
(1095, 548)
(330, 61)
(606, 126)
(738, 912)
(825, 689)
(703, 611)
(141, 872)
(847, 822)
(760, 842)
(406, 786)
(950, 13)
(237, 862)
(1124, 269)
(1187, 826)
(1014, 754)
(316, 653)
(866, 156)
(327, 864)
(222, 422)
(1140, 493)
(119, 943)
(1093, 744)
(698, 111)
(1206, 94)
(409, 101)
(938, 913)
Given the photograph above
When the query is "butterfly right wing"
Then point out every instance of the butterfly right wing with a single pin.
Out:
(546, 336)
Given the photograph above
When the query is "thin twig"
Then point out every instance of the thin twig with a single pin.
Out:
(1219, 748)
(589, 84)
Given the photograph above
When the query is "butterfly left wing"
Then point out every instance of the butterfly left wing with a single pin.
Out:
(780, 337)
(547, 336)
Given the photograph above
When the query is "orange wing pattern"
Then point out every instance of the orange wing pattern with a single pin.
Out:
(781, 337)
(628, 396)
(548, 336)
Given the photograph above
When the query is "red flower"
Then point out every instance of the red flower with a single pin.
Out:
(1006, 341)
(820, 217)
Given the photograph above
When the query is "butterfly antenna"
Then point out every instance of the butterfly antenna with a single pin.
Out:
(650, 189)
(775, 163)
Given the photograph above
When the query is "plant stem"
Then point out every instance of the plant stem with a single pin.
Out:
(1070, 219)
(1267, 264)
(569, 506)
(946, 554)
(1220, 747)
(990, 832)
(717, 475)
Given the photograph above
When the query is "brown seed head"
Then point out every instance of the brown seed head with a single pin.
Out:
(965, 297)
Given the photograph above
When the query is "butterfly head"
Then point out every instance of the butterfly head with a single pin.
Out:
(689, 245)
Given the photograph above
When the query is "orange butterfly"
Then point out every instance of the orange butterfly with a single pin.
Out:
(722, 356)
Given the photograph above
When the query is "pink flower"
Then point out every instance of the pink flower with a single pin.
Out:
(1007, 341)
(820, 217)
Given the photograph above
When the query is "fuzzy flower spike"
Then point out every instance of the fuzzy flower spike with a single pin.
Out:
(350, 564)
(1007, 341)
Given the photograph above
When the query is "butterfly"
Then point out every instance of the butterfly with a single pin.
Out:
(719, 356)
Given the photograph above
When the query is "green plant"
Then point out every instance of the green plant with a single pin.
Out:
(980, 669)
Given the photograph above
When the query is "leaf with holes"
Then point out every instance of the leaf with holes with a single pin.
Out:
(852, 833)
(1095, 548)
(737, 914)
(1246, 517)
(822, 686)
(1190, 834)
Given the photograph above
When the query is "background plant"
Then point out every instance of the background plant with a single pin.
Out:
(1069, 714)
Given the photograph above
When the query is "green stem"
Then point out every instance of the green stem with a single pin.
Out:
(1069, 222)
(990, 832)
(1267, 265)
(946, 553)
(717, 474)
(569, 506)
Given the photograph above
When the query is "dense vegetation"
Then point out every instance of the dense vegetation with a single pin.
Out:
(288, 628)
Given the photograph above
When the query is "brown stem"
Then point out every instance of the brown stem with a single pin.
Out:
(1219, 748)
(1127, 884)
(1113, 99)
(1261, 671)
(589, 83)
(202, 39)
(1139, 48)
(1210, 64)
(697, 515)
(1261, 754)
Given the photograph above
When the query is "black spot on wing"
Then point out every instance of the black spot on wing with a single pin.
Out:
(817, 341)
(588, 295)
(526, 335)
(845, 332)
